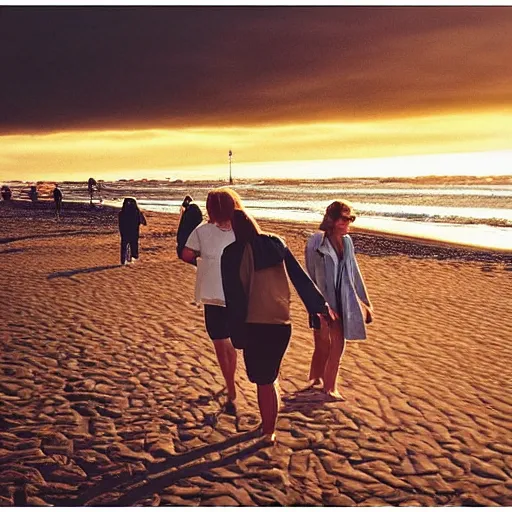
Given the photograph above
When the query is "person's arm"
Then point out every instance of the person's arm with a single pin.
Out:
(362, 292)
(360, 286)
(143, 220)
(189, 256)
(234, 292)
(192, 249)
(308, 257)
(306, 288)
(246, 268)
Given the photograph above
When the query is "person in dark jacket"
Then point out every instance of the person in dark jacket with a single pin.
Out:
(6, 193)
(33, 193)
(255, 270)
(57, 198)
(130, 219)
(91, 185)
(190, 217)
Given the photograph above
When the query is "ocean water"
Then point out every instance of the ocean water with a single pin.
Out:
(480, 216)
(395, 219)
(476, 215)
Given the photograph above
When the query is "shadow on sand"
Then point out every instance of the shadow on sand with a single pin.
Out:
(56, 234)
(70, 273)
(305, 401)
(10, 251)
(160, 475)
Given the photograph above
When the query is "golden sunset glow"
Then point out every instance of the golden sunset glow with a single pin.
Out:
(180, 153)
(165, 92)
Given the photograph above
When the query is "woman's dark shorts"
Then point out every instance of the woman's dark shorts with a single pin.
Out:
(266, 345)
(216, 321)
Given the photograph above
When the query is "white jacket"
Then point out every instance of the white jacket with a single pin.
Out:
(350, 297)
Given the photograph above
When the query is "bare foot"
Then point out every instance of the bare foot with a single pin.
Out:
(230, 408)
(313, 384)
(230, 392)
(270, 439)
(335, 396)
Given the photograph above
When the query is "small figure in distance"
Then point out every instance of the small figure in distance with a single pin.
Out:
(6, 193)
(99, 189)
(57, 197)
(90, 187)
(190, 217)
(332, 265)
(33, 195)
(130, 219)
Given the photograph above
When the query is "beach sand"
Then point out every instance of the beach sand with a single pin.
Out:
(110, 393)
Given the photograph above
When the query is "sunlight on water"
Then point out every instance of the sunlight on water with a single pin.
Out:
(478, 235)
(487, 191)
(438, 211)
(483, 163)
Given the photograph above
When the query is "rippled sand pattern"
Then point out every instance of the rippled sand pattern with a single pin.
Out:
(110, 393)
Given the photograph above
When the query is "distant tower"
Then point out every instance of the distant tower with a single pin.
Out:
(230, 154)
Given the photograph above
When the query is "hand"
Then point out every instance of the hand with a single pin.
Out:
(327, 318)
(332, 314)
(323, 321)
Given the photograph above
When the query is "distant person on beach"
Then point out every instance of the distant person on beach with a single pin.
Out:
(130, 219)
(99, 189)
(332, 265)
(57, 198)
(6, 193)
(90, 187)
(190, 217)
(255, 271)
(33, 194)
(204, 247)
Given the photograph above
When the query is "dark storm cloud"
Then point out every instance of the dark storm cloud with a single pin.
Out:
(134, 67)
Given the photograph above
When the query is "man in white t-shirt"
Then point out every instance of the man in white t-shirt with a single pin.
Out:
(205, 245)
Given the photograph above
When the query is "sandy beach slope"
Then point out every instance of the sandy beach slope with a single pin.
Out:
(110, 393)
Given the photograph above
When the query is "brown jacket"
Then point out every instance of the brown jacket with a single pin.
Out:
(267, 291)
(255, 281)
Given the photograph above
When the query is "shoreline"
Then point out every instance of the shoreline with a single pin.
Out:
(435, 242)
(462, 179)
(436, 248)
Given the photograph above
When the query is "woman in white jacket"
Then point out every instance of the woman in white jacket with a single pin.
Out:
(332, 265)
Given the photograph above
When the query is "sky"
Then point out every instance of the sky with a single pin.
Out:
(127, 91)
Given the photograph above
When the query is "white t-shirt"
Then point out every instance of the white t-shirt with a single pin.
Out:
(209, 240)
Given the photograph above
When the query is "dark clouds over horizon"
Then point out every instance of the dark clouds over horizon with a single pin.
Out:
(69, 68)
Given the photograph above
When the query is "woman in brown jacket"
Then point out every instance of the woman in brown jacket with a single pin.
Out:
(255, 270)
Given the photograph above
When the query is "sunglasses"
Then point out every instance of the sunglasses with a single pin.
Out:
(348, 218)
